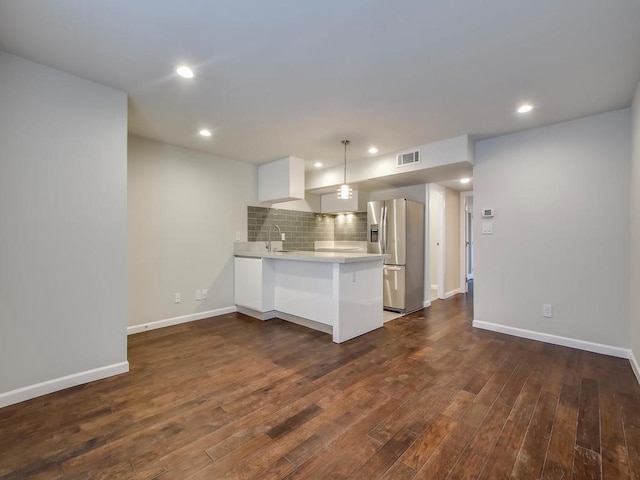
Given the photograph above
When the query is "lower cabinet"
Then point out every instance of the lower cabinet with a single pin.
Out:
(254, 284)
(343, 298)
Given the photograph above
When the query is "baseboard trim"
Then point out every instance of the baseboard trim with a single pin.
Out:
(305, 322)
(144, 327)
(256, 314)
(634, 365)
(452, 293)
(555, 339)
(56, 384)
(426, 304)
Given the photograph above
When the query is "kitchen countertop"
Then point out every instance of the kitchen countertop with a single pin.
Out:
(326, 257)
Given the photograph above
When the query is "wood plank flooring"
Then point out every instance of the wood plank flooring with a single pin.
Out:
(425, 397)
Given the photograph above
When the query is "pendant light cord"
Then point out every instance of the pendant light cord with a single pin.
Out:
(345, 143)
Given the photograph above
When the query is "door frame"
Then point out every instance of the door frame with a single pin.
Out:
(463, 239)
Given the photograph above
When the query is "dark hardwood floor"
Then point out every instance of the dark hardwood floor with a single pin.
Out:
(425, 397)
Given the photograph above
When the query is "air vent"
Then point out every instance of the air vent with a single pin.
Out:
(408, 158)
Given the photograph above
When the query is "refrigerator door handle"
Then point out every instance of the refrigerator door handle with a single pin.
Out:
(383, 228)
(395, 276)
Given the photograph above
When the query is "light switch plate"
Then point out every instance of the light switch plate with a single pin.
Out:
(487, 228)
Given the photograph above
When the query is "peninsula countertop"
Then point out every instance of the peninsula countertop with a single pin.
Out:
(306, 256)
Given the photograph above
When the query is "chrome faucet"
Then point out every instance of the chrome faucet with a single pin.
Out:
(269, 236)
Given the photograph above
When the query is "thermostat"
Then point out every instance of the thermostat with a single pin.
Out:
(487, 213)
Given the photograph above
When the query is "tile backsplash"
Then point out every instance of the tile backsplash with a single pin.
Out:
(303, 228)
(350, 227)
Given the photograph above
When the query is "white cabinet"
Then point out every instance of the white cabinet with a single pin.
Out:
(330, 203)
(337, 294)
(282, 180)
(254, 285)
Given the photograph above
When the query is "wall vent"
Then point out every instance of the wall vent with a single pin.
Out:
(408, 158)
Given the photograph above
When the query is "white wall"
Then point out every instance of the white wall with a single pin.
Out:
(435, 242)
(635, 232)
(186, 208)
(443, 242)
(63, 164)
(417, 193)
(561, 229)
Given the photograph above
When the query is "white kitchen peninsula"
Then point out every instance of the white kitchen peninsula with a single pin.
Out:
(337, 293)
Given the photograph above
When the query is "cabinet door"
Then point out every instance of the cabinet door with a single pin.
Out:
(330, 203)
(281, 180)
(248, 283)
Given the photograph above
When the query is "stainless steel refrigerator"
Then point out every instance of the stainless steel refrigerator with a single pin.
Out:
(396, 228)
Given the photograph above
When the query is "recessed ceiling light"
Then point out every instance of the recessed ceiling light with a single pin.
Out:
(317, 164)
(465, 180)
(373, 150)
(526, 108)
(184, 71)
(205, 133)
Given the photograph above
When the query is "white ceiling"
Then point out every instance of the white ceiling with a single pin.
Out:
(283, 77)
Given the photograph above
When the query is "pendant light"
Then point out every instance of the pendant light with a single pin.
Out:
(345, 192)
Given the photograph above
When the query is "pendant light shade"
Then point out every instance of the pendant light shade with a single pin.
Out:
(345, 192)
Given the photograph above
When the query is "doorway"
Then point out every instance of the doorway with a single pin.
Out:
(466, 240)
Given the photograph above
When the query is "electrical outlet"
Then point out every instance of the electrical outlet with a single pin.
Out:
(283, 236)
(204, 293)
(177, 298)
(198, 294)
(547, 310)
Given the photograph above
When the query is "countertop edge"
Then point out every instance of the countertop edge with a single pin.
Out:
(325, 257)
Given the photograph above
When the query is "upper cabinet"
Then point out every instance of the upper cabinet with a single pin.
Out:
(281, 180)
(330, 203)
